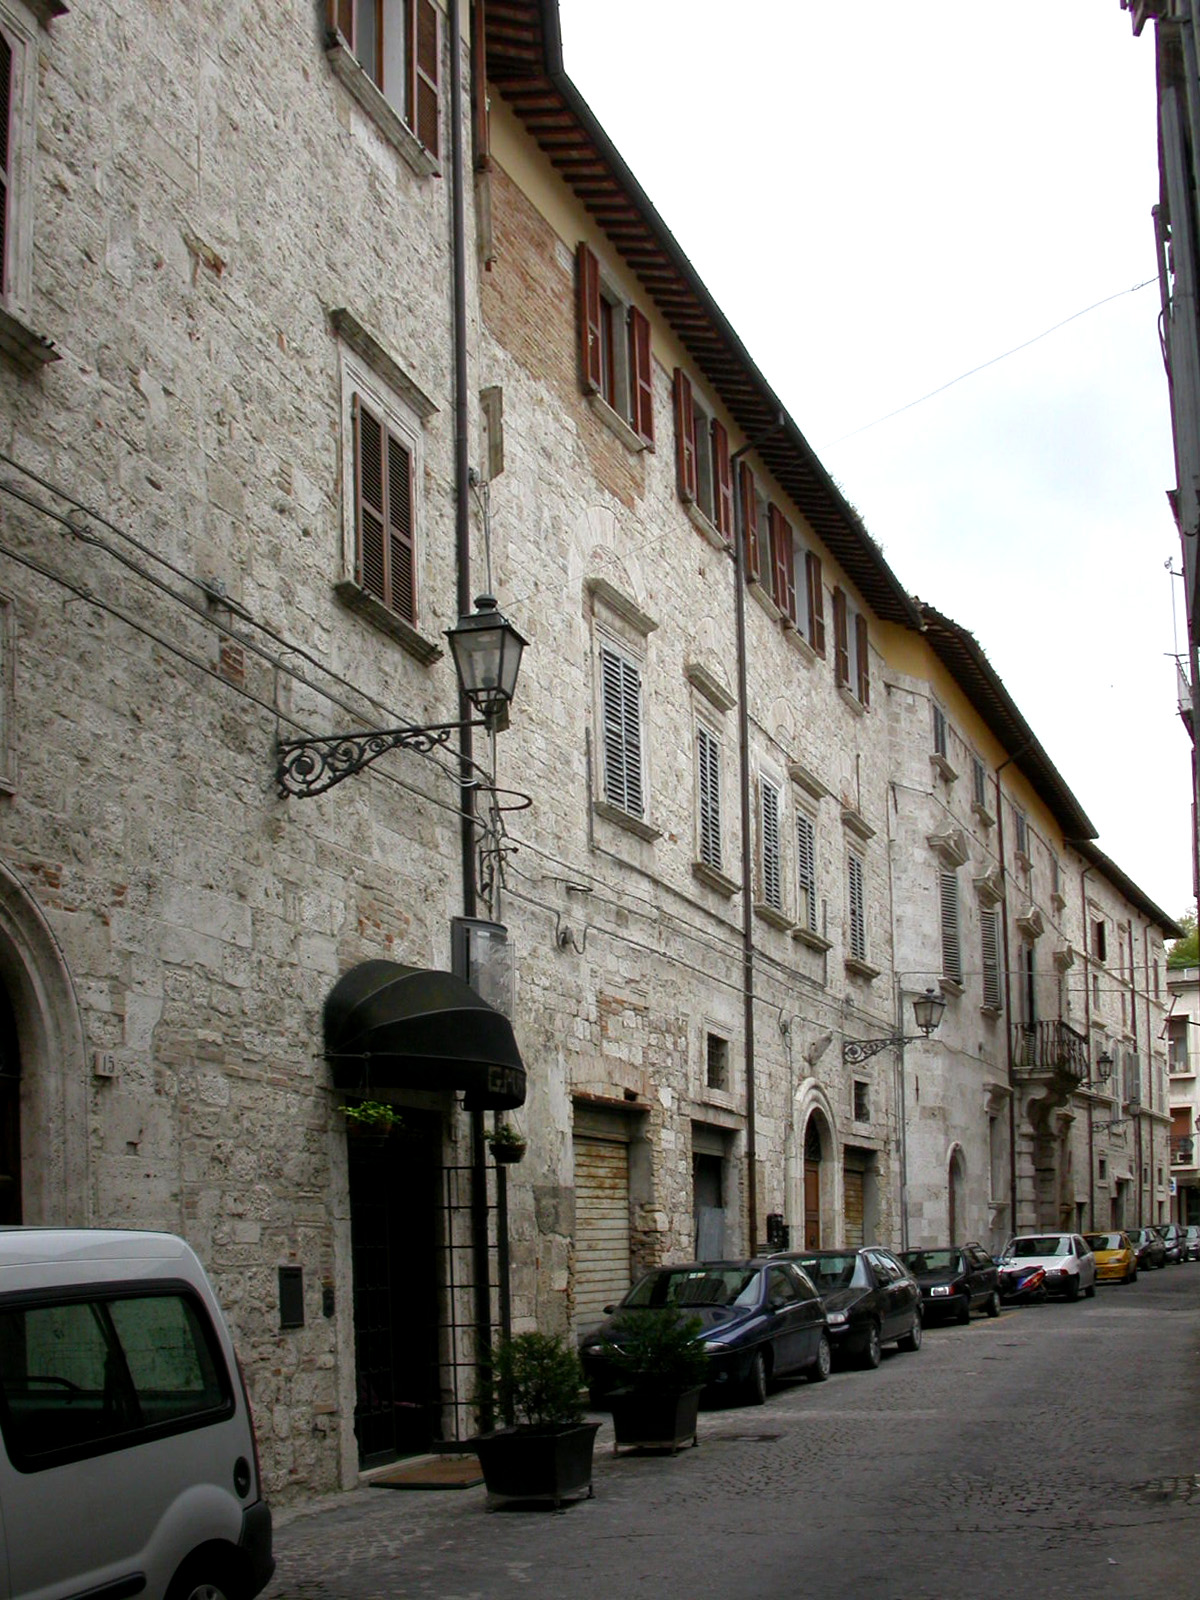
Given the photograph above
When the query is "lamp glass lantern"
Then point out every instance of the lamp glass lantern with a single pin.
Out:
(487, 653)
(1104, 1066)
(928, 1009)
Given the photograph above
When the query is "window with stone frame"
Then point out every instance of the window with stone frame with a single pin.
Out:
(614, 349)
(623, 764)
(808, 908)
(708, 796)
(387, 52)
(778, 565)
(770, 844)
(851, 656)
(856, 908)
(989, 937)
(704, 472)
(952, 967)
(716, 1062)
(862, 1100)
(979, 783)
(27, 349)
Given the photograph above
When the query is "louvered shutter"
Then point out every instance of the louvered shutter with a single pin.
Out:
(862, 657)
(724, 480)
(806, 870)
(621, 696)
(772, 877)
(708, 761)
(383, 513)
(749, 523)
(857, 909)
(989, 932)
(641, 375)
(685, 435)
(401, 574)
(590, 335)
(783, 566)
(6, 92)
(841, 642)
(424, 56)
(951, 947)
(816, 602)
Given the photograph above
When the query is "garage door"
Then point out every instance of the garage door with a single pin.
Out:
(601, 1227)
(852, 1192)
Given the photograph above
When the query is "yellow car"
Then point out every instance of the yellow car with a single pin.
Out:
(1116, 1259)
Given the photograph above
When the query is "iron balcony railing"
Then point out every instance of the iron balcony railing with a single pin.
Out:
(1051, 1047)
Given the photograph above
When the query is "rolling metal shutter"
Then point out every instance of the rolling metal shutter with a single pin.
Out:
(601, 1226)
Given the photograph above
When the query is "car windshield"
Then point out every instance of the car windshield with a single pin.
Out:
(835, 1271)
(927, 1261)
(1103, 1241)
(696, 1286)
(1039, 1244)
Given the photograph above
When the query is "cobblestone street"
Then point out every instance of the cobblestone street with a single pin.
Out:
(1052, 1452)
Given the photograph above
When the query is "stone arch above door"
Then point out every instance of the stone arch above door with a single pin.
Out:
(813, 1120)
(50, 1038)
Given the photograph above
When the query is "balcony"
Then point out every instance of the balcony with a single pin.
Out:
(1052, 1049)
(1183, 1150)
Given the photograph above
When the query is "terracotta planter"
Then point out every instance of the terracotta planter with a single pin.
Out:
(526, 1463)
(504, 1155)
(653, 1420)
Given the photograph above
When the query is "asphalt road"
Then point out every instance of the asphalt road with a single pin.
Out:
(1053, 1452)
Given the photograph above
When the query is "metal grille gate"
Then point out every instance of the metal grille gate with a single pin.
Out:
(457, 1370)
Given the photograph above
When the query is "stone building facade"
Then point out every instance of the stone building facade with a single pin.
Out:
(269, 292)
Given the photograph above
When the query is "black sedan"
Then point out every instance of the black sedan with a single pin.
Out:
(871, 1299)
(955, 1281)
(1151, 1251)
(758, 1320)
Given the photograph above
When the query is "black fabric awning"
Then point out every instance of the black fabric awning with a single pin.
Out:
(394, 1027)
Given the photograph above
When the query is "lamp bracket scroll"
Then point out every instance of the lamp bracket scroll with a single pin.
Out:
(927, 1010)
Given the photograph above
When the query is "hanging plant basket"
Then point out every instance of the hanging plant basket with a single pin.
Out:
(506, 1144)
(371, 1121)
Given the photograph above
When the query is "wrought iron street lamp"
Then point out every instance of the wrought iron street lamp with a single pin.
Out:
(927, 1012)
(487, 657)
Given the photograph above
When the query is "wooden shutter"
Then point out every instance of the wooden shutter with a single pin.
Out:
(816, 602)
(423, 96)
(951, 946)
(6, 99)
(853, 1189)
(862, 657)
(806, 870)
(708, 762)
(857, 909)
(989, 930)
(602, 1257)
(783, 563)
(341, 19)
(749, 523)
(685, 435)
(590, 334)
(641, 376)
(772, 877)
(723, 476)
(621, 694)
(841, 641)
(383, 514)
(481, 121)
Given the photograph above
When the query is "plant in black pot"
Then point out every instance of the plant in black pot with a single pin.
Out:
(545, 1451)
(662, 1368)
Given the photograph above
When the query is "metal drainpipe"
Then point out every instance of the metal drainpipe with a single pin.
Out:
(1087, 1028)
(1133, 1029)
(1008, 1012)
(462, 542)
(739, 583)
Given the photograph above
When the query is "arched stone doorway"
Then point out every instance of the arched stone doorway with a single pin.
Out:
(957, 1187)
(814, 1188)
(812, 1184)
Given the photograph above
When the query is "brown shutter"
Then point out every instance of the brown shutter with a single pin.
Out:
(816, 602)
(370, 561)
(340, 16)
(424, 96)
(6, 86)
(685, 435)
(723, 474)
(479, 86)
(401, 576)
(783, 565)
(862, 652)
(749, 522)
(841, 642)
(588, 278)
(642, 377)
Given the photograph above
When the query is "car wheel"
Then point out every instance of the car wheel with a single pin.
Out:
(993, 1305)
(202, 1579)
(1132, 1278)
(823, 1365)
(1090, 1291)
(963, 1310)
(871, 1353)
(1073, 1289)
(755, 1388)
(912, 1340)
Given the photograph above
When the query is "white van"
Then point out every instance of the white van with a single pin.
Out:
(127, 1457)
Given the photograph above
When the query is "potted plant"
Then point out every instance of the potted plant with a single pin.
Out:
(545, 1451)
(505, 1143)
(371, 1118)
(659, 1357)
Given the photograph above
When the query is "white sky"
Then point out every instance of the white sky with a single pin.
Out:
(882, 197)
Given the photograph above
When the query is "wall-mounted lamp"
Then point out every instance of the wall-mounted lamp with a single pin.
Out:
(927, 1012)
(487, 653)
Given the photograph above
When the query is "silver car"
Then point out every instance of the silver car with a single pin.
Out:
(1069, 1265)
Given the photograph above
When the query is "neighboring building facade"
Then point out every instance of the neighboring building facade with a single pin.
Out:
(1183, 1059)
(388, 324)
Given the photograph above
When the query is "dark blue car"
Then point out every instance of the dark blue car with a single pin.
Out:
(758, 1320)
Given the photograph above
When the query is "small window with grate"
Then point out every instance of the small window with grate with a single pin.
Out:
(716, 1062)
(862, 1100)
